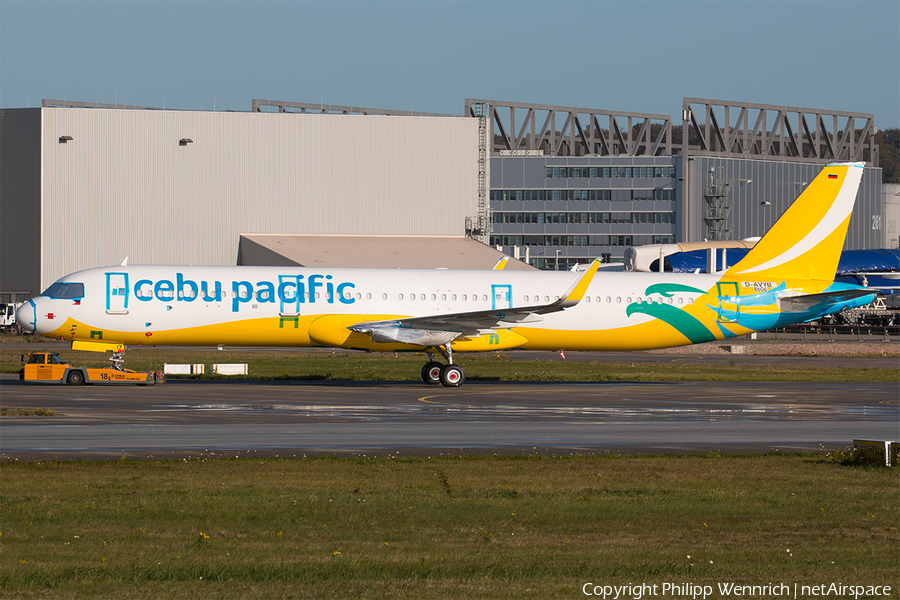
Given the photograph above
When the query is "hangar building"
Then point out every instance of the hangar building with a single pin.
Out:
(83, 185)
(89, 185)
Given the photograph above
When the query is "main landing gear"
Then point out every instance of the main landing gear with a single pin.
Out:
(449, 375)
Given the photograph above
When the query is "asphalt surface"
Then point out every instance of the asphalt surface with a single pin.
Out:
(867, 360)
(215, 418)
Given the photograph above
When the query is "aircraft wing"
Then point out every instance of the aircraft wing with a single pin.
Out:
(801, 303)
(436, 330)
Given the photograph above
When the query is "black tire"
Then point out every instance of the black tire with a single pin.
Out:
(14, 329)
(452, 376)
(75, 378)
(431, 373)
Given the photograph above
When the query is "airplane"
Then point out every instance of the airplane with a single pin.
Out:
(788, 277)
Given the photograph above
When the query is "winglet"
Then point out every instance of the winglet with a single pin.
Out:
(575, 293)
(501, 264)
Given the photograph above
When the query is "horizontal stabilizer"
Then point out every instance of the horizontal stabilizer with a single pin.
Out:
(803, 303)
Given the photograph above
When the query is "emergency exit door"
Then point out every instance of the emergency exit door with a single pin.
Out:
(501, 296)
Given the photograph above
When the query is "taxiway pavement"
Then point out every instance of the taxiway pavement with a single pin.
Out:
(191, 417)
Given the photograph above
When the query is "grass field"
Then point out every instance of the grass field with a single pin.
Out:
(451, 527)
(484, 366)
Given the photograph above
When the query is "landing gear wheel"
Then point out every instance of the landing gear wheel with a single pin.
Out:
(75, 378)
(452, 376)
(431, 373)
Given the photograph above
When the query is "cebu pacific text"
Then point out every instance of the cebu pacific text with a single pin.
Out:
(289, 288)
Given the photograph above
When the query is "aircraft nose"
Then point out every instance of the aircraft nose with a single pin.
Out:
(26, 317)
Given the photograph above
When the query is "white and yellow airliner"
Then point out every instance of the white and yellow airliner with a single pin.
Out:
(787, 278)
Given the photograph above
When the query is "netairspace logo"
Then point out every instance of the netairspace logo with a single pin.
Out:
(727, 590)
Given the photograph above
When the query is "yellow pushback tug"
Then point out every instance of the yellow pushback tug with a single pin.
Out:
(48, 367)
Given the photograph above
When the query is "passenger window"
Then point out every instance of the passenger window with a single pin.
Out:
(36, 359)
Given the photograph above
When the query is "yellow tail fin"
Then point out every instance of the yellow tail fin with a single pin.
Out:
(806, 242)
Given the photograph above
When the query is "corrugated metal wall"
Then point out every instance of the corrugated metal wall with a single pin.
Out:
(20, 203)
(779, 184)
(890, 220)
(125, 187)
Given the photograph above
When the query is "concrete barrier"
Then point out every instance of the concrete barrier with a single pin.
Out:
(230, 369)
(182, 369)
(873, 452)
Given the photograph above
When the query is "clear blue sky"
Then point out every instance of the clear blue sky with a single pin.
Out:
(430, 56)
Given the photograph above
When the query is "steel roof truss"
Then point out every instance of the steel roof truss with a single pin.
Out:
(562, 133)
(604, 143)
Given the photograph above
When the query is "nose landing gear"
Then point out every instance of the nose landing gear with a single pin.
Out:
(449, 375)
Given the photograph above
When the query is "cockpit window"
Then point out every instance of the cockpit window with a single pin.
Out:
(36, 359)
(65, 291)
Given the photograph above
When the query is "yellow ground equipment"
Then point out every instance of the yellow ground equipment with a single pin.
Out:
(48, 367)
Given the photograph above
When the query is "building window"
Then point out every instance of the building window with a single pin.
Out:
(608, 172)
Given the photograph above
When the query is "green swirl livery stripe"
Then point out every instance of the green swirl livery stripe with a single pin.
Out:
(667, 290)
(687, 325)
